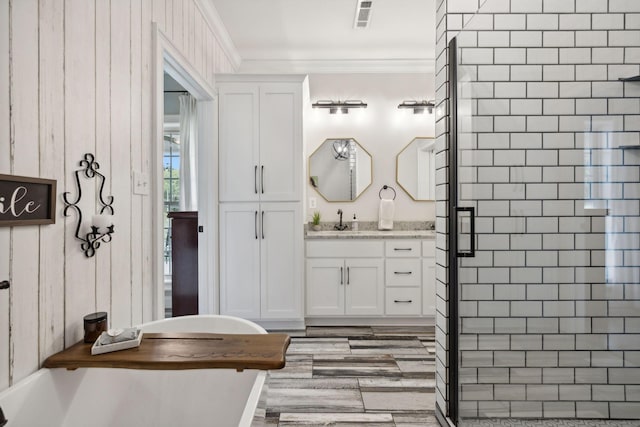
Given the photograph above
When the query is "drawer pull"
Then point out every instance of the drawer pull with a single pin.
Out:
(403, 272)
(342, 275)
(403, 301)
(402, 249)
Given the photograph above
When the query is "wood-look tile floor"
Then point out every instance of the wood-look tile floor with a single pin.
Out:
(354, 376)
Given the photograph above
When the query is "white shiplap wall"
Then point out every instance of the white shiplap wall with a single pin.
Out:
(75, 77)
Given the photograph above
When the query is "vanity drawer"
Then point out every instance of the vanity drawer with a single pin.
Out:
(429, 248)
(403, 302)
(402, 248)
(344, 249)
(403, 272)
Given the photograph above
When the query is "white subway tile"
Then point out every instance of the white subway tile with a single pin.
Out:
(542, 358)
(608, 392)
(632, 123)
(575, 90)
(493, 375)
(543, 90)
(575, 22)
(510, 325)
(558, 39)
(526, 375)
(592, 6)
(558, 207)
(624, 106)
(526, 241)
(542, 392)
(566, 6)
(591, 106)
(493, 208)
(510, 90)
(512, 21)
(591, 38)
(571, 157)
(509, 392)
(476, 392)
(575, 123)
(592, 410)
(541, 157)
(618, 70)
(571, 191)
(511, 292)
(532, 6)
(508, 191)
(542, 191)
(573, 55)
(493, 241)
(558, 72)
(632, 21)
(526, 140)
(558, 140)
(540, 55)
(557, 241)
(558, 309)
(468, 309)
(632, 55)
(608, 55)
(526, 308)
(574, 359)
(542, 259)
(591, 376)
(493, 174)
(526, 73)
(591, 72)
(559, 409)
(607, 89)
(624, 38)
(571, 291)
(607, 21)
(493, 38)
(526, 275)
(526, 38)
(559, 107)
(538, 291)
(557, 342)
(472, 55)
(477, 90)
(557, 376)
(493, 342)
(576, 224)
(496, 6)
(525, 208)
(508, 157)
(510, 56)
(477, 326)
(542, 21)
(478, 22)
(541, 325)
(633, 392)
(625, 375)
(542, 224)
(493, 275)
(510, 225)
(494, 73)
(542, 123)
(608, 325)
(493, 107)
(526, 106)
(463, 6)
(591, 308)
(526, 409)
(607, 358)
(624, 341)
(590, 275)
(592, 342)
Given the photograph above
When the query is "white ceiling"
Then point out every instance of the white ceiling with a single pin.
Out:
(319, 36)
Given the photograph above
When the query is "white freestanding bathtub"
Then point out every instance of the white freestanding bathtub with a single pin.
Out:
(138, 398)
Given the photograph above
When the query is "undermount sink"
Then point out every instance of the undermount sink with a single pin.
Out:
(370, 233)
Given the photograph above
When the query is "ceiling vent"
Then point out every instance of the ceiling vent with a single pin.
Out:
(363, 14)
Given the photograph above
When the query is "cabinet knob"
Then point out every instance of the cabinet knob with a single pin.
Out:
(5, 284)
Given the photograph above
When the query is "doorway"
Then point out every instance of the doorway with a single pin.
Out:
(184, 182)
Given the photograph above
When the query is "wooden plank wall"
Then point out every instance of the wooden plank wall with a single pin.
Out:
(76, 77)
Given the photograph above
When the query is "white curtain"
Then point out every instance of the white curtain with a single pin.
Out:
(188, 154)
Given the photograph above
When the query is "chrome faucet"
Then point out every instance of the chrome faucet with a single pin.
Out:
(340, 226)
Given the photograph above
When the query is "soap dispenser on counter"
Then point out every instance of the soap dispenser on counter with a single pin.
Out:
(354, 223)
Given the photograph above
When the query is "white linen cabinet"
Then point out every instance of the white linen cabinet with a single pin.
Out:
(260, 190)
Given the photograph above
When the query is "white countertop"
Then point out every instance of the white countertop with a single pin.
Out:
(370, 234)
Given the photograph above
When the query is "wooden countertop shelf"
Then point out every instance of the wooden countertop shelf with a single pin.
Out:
(173, 351)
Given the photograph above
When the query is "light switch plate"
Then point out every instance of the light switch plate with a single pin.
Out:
(312, 202)
(140, 183)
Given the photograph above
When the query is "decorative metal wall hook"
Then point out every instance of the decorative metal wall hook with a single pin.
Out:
(100, 230)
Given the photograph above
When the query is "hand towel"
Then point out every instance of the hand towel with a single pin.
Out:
(385, 214)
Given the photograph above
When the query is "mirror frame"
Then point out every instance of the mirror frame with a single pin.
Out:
(398, 163)
(318, 191)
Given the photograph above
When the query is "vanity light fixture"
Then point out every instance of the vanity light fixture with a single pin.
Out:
(418, 106)
(339, 107)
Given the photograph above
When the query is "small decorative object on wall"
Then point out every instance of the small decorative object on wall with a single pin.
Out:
(101, 227)
(26, 201)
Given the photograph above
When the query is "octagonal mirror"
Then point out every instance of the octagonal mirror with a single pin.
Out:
(340, 169)
(416, 169)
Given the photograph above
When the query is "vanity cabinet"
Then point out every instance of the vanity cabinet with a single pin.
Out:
(385, 278)
(260, 136)
(261, 263)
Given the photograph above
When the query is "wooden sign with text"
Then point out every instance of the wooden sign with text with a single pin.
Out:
(27, 201)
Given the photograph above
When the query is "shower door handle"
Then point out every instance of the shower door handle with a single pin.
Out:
(471, 252)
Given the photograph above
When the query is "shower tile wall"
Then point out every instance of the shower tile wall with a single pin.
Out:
(550, 306)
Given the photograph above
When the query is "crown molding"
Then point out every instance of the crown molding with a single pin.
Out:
(220, 32)
(338, 66)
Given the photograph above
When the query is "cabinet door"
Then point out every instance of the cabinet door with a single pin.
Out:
(364, 289)
(239, 173)
(281, 261)
(280, 141)
(325, 287)
(240, 260)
